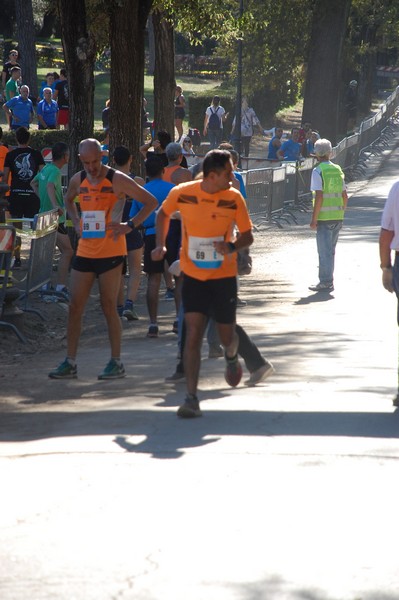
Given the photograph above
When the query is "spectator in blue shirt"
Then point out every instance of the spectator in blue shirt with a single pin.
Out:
(47, 111)
(291, 149)
(50, 82)
(20, 109)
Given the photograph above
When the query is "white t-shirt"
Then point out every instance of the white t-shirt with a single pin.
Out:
(220, 113)
(390, 215)
(248, 121)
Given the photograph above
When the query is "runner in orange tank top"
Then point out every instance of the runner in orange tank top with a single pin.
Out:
(101, 249)
(174, 172)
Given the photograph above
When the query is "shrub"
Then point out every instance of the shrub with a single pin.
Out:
(45, 138)
(198, 103)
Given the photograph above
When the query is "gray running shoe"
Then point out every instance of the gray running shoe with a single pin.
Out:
(190, 409)
(113, 370)
(260, 374)
(64, 371)
(322, 287)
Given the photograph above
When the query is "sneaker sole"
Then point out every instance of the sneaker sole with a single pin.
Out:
(237, 376)
(130, 317)
(52, 376)
(173, 379)
(261, 375)
(119, 376)
(185, 412)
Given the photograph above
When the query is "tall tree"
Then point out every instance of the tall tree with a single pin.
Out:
(79, 53)
(164, 72)
(325, 65)
(26, 43)
(127, 21)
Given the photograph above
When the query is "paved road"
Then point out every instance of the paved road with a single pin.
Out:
(283, 491)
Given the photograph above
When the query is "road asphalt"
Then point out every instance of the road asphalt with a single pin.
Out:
(283, 491)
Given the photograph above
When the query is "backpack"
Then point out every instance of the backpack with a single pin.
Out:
(214, 120)
(195, 136)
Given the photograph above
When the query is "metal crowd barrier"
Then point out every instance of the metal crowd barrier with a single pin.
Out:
(7, 243)
(273, 189)
(40, 263)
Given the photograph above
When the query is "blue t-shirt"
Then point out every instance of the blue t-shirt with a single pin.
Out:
(22, 109)
(272, 154)
(291, 149)
(44, 85)
(158, 188)
(105, 157)
(240, 179)
(48, 111)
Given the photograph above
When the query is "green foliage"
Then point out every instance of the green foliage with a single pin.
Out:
(198, 104)
(275, 41)
(39, 139)
(45, 138)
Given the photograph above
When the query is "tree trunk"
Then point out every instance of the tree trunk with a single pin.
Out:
(127, 22)
(324, 72)
(79, 53)
(164, 73)
(151, 46)
(26, 43)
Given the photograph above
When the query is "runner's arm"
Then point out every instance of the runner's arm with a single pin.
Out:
(386, 237)
(6, 171)
(70, 206)
(244, 240)
(316, 209)
(162, 227)
(53, 199)
(124, 185)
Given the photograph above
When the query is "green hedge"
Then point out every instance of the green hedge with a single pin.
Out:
(45, 138)
(198, 103)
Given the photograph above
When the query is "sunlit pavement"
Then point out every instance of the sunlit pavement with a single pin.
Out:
(283, 491)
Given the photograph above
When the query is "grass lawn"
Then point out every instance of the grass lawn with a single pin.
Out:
(190, 85)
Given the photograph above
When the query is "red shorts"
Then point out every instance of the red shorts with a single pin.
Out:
(63, 116)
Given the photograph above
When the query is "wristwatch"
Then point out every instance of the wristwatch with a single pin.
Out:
(232, 247)
(131, 224)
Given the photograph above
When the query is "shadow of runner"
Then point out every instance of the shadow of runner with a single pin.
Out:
(166, 436)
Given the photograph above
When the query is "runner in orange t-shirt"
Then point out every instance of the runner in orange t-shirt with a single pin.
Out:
(102, 246)
(209, 208)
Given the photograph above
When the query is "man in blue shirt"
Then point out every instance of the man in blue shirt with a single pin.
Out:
(291, 149)
(47, 111)
(20, 109)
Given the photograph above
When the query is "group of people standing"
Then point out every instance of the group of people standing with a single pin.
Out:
(52, 106)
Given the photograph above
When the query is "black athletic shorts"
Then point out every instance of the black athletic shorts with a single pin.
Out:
(216, 297)
(134, 240)
(23, 205)
(151, 266)
(96, 265)
(173, 241)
